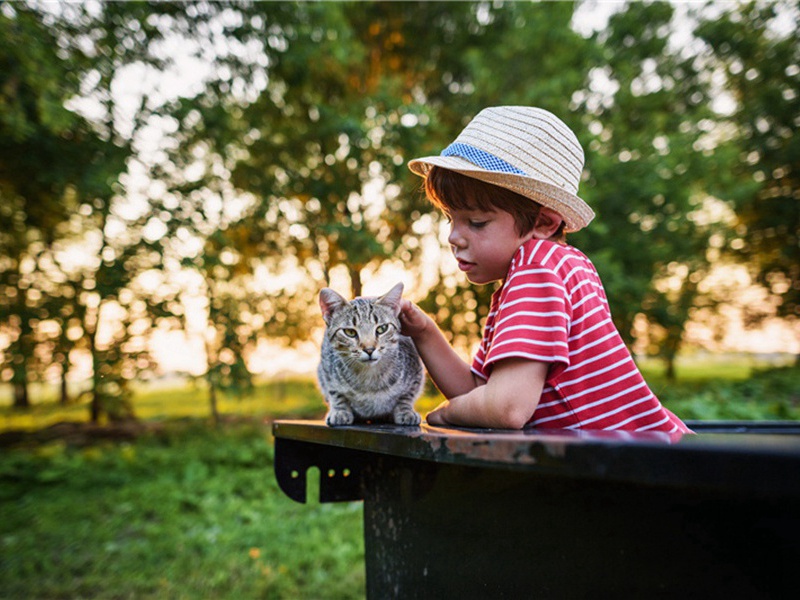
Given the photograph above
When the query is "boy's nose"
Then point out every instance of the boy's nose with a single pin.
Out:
(455, 238)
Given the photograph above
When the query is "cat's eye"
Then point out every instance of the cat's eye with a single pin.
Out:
(351, 333)
(381, 329)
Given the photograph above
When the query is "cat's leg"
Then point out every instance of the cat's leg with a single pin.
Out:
(340, 412)
(404, 413)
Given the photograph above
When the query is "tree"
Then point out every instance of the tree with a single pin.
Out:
(310, 140)
(756, 48)
(647, 107)
(60, 179)
(41, 147)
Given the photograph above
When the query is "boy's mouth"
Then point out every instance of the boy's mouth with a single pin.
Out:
(464, 265)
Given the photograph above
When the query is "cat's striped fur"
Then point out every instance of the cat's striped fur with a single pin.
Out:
(368, 371)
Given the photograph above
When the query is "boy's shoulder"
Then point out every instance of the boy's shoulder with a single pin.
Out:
(548, 254)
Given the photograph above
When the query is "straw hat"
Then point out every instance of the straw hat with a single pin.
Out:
(524, 149)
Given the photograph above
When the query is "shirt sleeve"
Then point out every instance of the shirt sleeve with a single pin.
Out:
(532, 320)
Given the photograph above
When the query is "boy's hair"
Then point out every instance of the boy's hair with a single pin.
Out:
(448, 191)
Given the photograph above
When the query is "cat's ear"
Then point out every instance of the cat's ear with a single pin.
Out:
(392, 298)
(329, 302)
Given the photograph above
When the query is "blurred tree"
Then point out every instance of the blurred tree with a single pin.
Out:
(292, 159)
(302, 140)
(67, 138)
(41, 147)
(229, 333)
(346, 96)
(756, 48)
(647, 112)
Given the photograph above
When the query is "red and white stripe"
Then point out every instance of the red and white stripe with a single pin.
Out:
(552, 308)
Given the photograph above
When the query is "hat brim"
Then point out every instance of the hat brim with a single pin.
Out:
(576, 213)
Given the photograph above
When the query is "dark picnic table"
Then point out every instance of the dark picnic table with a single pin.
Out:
(465, 513)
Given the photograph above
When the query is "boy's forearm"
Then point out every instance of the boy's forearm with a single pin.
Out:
(470, 410)
(507, 401)
(451, 375)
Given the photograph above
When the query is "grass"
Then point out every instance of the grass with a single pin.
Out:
(291, 398)
(192, 512)
(711, 388)
(707, 369)
(187, 510)
(277, 399)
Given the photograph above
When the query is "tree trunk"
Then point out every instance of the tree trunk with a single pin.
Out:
(212, 399)
(670, 373)
(212, 386)
(355, 281)
(21, 350)
(64, 388)
(21, 399)
(95, 407)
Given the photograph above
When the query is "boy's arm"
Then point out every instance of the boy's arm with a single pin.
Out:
(452, 376)
(507, 401)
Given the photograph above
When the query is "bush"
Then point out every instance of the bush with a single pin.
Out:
(766, 395)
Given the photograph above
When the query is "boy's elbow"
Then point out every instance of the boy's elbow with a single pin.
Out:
(515, 421)
(514, 390)
(514, 414)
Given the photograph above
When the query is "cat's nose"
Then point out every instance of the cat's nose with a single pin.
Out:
(369, 350)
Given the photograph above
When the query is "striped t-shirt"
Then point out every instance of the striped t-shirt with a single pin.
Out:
(552, 308)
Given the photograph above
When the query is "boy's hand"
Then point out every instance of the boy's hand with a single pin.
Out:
(413, 321)
(436, 416)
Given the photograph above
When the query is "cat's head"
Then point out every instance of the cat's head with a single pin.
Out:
(364, 329)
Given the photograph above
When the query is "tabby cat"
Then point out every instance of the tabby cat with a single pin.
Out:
(368, 371)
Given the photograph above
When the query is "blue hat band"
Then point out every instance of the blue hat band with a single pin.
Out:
(485, 160)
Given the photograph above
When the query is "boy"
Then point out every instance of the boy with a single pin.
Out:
(550, 355)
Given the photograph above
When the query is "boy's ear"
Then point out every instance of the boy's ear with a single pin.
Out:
(392, 298)
(329, 302)
(547, 224)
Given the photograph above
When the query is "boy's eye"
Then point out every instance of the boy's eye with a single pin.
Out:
(351, 333)
(381, 329)
(478, 224)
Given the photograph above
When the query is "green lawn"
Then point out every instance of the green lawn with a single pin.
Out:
(185, 511)
(189, 510)
(293, 398)
(706, 388)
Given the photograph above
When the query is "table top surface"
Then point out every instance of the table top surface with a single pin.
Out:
(758, 456)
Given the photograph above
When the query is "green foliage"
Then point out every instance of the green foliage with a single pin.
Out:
(762, 72)
(290, 159)
(770, 394)
(188, 513)
(647, 173)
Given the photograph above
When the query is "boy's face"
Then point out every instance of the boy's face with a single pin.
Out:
(484, 243)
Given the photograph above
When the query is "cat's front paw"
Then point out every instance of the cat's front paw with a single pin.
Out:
(406, 416)
(337, 418)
